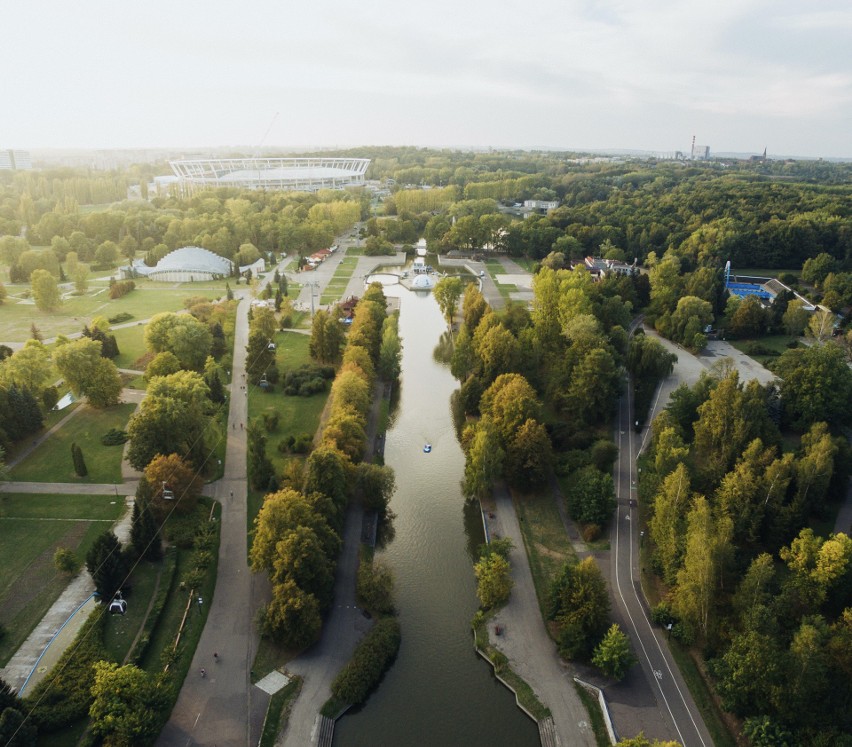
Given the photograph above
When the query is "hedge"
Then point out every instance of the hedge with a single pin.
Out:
(372, 658)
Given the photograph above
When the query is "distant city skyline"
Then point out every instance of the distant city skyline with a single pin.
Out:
(740, 75)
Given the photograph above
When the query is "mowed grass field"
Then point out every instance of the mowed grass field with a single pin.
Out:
(131, 345)
(51, 461)
(32, 527)
(16, 316)
(297, 414)
(337, 286)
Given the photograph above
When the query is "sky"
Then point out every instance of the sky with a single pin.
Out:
(738, 75)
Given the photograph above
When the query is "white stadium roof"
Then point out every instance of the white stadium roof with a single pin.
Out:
(195, 258)
(303, 174)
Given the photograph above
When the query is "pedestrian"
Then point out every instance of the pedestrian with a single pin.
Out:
(241, 426)
(215, 656)
(203, 673)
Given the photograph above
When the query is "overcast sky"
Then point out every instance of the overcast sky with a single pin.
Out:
(648, 74)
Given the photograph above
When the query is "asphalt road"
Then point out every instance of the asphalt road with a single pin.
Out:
(679, 716)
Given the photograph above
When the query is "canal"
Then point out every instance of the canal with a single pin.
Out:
(439, 691)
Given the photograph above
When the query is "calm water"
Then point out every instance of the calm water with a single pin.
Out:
(439, 691)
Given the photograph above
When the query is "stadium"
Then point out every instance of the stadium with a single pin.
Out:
(300, 174)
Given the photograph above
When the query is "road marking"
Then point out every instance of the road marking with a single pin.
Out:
(636, 595)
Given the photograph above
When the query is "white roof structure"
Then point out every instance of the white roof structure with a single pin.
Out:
(187, 264)
(302, 174)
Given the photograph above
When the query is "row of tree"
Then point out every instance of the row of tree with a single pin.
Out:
(297, 532)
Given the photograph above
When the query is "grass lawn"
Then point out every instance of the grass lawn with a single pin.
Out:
(763, 272)
(51, 461)
(297, 414)
(32, 527)
(337, 286)
(76, 311)
(777, 344)
(163, 636)
(546, 542)
(121, 630)
(131, 345)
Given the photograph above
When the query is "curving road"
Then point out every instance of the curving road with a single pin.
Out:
(678, 718)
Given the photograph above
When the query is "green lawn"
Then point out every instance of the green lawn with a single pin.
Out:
(546, 542)
(148, 299)
(51, 461)
(297, 414)
(337, 286)
(131, 345)
(32, 527)
(775, 343)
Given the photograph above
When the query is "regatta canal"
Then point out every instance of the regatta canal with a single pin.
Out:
(439, 691)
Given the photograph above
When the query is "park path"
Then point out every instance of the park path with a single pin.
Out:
(524, 640)
(225, 708)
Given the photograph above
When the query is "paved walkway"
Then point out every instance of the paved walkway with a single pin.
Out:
(225, 708)
(525, 642)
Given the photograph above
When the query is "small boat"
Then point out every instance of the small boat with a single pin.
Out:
(427, 448)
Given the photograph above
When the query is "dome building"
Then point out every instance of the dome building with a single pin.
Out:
(187, 264)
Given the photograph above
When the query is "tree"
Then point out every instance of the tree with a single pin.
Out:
(345, 429)
(174, 473)
(162, 364)
(172, 419)
(128, 705)
(107, 565)
(529, 456)
(708, 549)
(261, 471)
(106, 255)
(299, 555)
(821, 325)
(81, 280)
(390, 352)
(447, 293)
(326, 472)
(183, 335)
(510, 401)
(591, 498)
(749, 320)
(45, 290)
(377, 485)
(144, 528)
(579, 605)
(816, 269)
(87, 372)
(16, 730)
(484, 460)
(79, 463)
(613, 655)
(280, 513)
(65, 560)
(668, 524)
(292, 617)
(29, 368)
(795, 318)
(816, 385)
(326, 338)
(494, 580)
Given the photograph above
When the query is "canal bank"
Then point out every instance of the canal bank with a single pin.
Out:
(439, 691)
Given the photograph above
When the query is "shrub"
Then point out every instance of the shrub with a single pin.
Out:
(307, 380)
(114, 437)
(591, 532)
(373, 656)
(121, 288)
(120, 318)
(65, 560)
